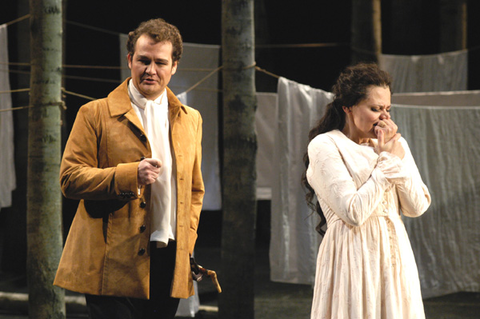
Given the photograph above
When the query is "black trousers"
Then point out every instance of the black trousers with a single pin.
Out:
(160, 305)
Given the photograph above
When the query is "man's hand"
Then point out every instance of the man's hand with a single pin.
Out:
(148, 171)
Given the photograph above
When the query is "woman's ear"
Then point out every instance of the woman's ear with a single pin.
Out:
(347, 110)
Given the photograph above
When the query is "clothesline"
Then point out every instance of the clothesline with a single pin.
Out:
(91, 98)
(73, 66)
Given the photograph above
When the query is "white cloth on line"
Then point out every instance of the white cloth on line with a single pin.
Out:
(450, 98)
(265, 123)
(197, 62)
(427, 73)
(7, 161)
(445, 240)
(294, 241)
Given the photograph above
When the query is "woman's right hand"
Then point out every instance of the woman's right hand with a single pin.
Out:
(393, 146)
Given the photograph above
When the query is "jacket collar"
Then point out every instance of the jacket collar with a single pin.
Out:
(119, 102)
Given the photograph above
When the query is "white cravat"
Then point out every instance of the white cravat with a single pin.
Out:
(154, 118)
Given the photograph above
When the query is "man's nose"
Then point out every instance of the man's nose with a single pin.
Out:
(151, 68)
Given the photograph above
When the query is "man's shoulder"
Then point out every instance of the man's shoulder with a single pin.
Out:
(94, 106)
(191, 110)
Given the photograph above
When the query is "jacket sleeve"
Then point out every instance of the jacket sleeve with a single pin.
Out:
(334, 186)
(80, 174)
(413, 195)
(198, 188)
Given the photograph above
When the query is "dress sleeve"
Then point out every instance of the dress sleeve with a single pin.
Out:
(333, 184)
(80, 176)
(413, 194)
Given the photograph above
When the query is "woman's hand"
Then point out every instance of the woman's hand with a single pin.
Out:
(393, 146)
(388, 127)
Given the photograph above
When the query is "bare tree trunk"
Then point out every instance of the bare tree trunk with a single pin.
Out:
(240, 147)
(44, 222)
(453, 25)
(366, 31)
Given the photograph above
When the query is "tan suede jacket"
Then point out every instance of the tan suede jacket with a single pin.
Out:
(107, 249)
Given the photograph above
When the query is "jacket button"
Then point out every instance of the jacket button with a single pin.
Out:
(142, 158)
(141, 252)
(143, 204)
(142, 229)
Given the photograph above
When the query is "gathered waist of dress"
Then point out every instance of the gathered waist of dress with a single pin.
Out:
(392, 215)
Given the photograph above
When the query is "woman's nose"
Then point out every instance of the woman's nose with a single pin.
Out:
(385, 115)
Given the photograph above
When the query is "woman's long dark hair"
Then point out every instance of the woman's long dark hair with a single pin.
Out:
(350, 89)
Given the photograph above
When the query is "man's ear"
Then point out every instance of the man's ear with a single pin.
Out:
(129, 61)
(174, 67)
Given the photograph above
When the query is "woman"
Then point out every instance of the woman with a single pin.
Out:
(364, 176)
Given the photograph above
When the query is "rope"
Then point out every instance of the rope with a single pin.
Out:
(205, 78)
(78, 95)
(301, 45)
(250, 66)
(266, 72)
(18, 20)
(61, 104)
(93, 28)
(15, 91)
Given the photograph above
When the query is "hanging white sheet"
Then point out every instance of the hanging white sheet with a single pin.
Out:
(294, 241)
(427, 73)
(265, 123)
(198, 60)
(444, 142)
(7, 161)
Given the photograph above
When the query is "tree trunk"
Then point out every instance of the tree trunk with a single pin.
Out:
(453, 25)
(44, 222)
(366, 31)
(239, 173)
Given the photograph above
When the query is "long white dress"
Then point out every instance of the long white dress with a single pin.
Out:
(365, 265)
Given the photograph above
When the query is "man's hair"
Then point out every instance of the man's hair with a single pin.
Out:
(159, 30)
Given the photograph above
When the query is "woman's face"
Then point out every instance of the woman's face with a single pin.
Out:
(365, 115)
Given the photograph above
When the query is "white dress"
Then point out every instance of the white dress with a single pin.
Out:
(365, 264)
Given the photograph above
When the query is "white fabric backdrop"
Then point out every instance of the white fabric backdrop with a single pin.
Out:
(204, 98)
(7, 166)
(445, 240)
(294, 241)
(265, 119)
(452, 98)
(427, 73)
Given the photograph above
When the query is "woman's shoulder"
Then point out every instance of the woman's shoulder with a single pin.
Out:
(332, 137)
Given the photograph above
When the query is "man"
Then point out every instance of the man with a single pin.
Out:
(133, 159)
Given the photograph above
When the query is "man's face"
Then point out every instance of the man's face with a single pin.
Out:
(151, 66)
